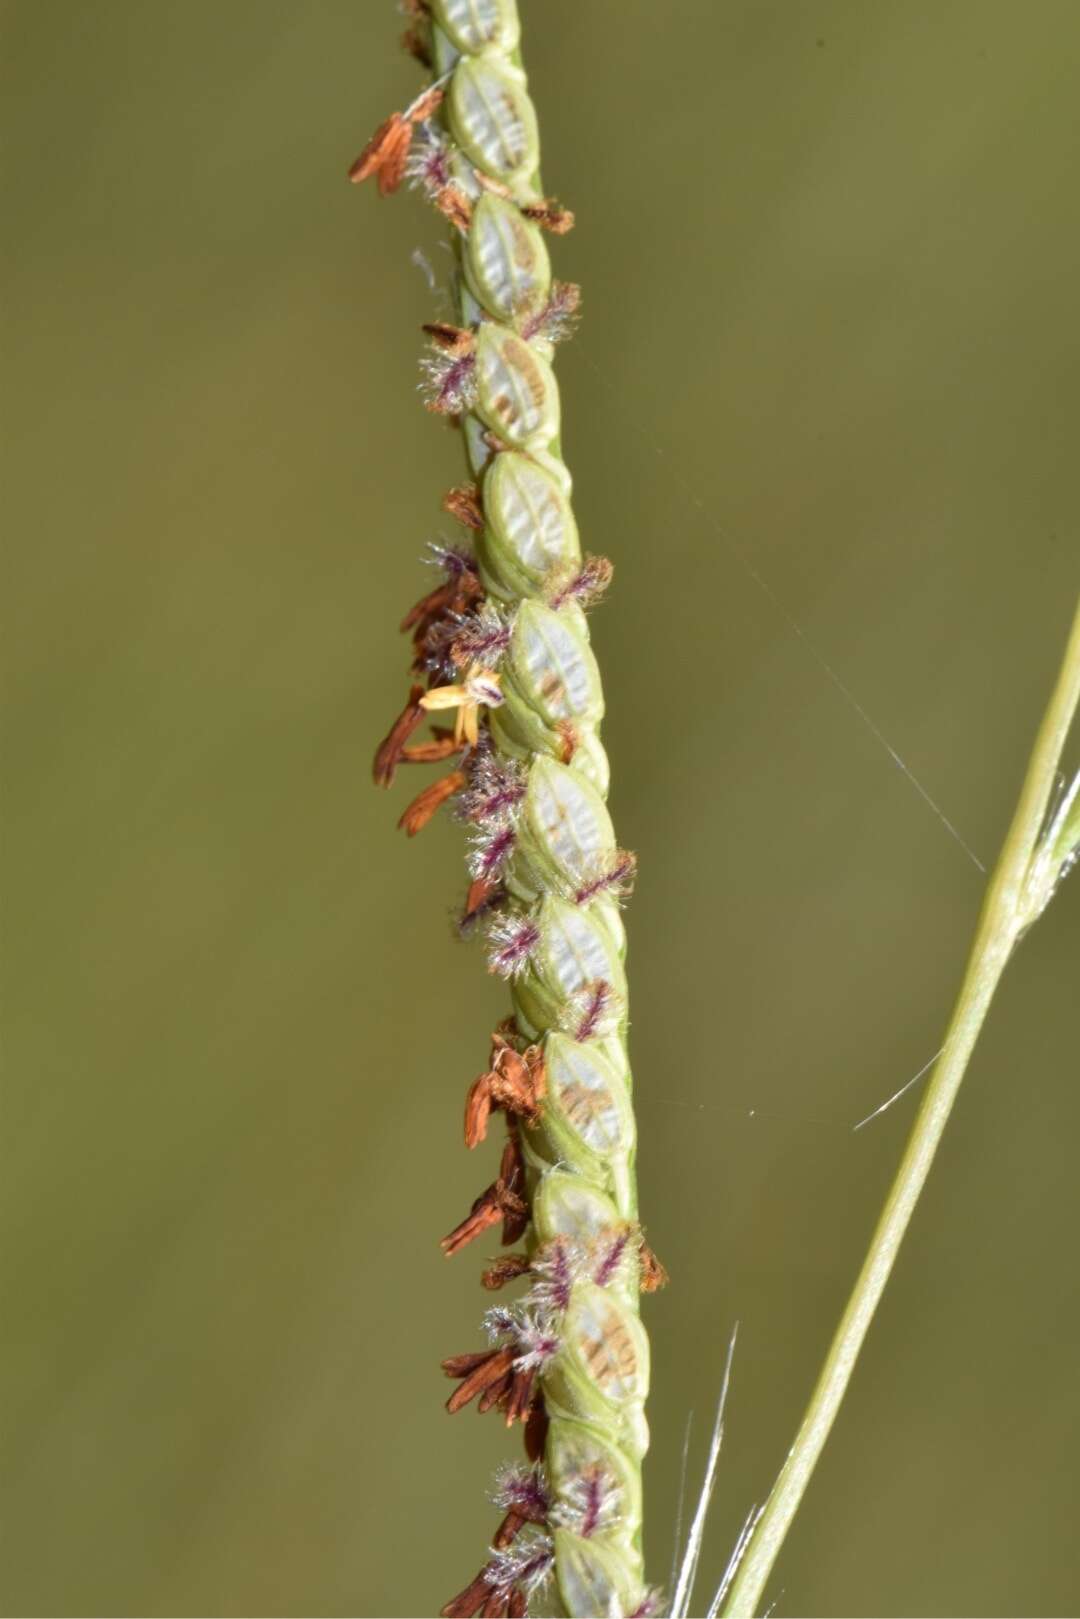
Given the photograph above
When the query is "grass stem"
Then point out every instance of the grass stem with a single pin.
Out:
(1010, 905)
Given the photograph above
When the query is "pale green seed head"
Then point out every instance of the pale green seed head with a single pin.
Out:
(592, 1577)
(566, 1206)
(479, 25)
(520, 733)
(575, 949)
(574, 1451)
(531, 530)
(607, 1343)
(516, 392)
(506, 260)
(601, 1374)
(565, 831)
(493, 118)
(588, 1117)
(580, 1154)
(551, 665)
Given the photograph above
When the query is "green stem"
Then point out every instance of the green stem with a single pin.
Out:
(1006, 911)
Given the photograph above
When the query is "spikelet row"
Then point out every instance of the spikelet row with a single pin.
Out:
(505, 673)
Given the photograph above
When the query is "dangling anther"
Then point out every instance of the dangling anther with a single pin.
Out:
(463, 503)
(385, 155)
(470, 1602)
(519, 1401)
(413, 41)
(509, 1268)
(482, 898)
(515, 1082)
(535, 1431)
(454, 206)
(387, 152)
(447, 602)
(443, 745)
(549, 216)
(455, 340)
(652, 1275)
(417, 37)
(524, 1493)
(424, 805)
(478, 1373)
(503, 1200)
(569, 740)
(391, 750)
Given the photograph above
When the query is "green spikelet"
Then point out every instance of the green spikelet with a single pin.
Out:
(523, 679)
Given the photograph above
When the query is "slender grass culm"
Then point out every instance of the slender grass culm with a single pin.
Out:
(1041, 846)
(501, 648)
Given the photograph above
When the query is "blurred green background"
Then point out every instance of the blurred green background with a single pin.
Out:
(827, 377)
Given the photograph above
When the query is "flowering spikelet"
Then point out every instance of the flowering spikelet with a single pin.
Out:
(512, 941)
(612, 1250)
(651, 1604)
(522, 1491)
(448, 382)
(557, 319)
(428, 164)
(593, 1011)
(428, 167)
(482, 637)
(526, 1564)
(528, 1328)
(588, 1503)
(584, 585)
(556, 1266)
(525, 1341)
(613, 875)
(500, 1324)
(448, 372)
(537, 1337)
(506, 1583)
(454, 561)
(496, 788)
(490, 852)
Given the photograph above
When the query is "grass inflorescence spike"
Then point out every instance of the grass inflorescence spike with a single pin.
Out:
(502, 658)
